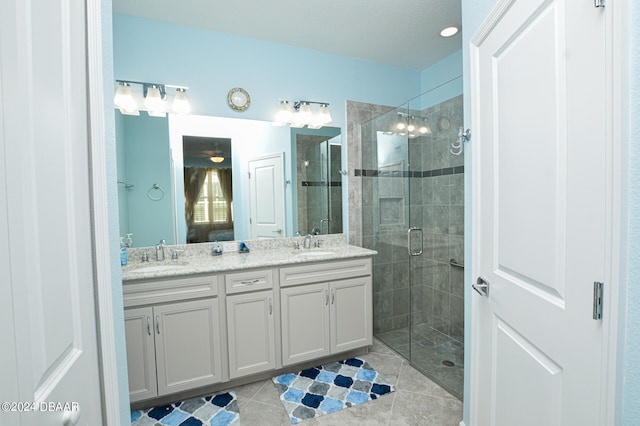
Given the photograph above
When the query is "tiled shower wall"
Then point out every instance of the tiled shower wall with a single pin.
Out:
(430, 197)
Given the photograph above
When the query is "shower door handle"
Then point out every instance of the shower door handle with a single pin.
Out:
(414, 253)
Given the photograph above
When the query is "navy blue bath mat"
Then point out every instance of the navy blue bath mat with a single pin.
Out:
(215, 410)
(329, 388)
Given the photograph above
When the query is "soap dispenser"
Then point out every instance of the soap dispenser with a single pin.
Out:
(216, 250)
(123, 252)
(129, 242)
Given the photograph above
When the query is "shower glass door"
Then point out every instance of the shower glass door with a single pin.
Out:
(413, 215)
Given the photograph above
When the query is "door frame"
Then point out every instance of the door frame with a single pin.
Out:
(617, 170)
(102, 259)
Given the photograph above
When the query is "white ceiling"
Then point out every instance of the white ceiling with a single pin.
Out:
(403, 33)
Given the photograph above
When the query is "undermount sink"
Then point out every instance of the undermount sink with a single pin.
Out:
(159, 268)
(314, 253)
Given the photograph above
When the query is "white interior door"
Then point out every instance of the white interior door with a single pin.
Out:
(539, 182)
(266, 197)
(49, 353)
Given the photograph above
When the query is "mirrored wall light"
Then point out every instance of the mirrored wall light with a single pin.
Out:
(412, 126)
(302, 114)
(157, 99)
(423, 127)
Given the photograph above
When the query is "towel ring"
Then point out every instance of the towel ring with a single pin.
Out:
(158, 188)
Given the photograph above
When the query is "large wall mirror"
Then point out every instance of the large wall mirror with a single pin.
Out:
(186, 178)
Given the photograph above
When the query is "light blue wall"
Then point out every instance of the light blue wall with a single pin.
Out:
(211, 63)
(441, 81)
(631, 384)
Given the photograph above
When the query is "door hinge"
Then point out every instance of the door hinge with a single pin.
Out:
(249, 173)
(597, 300)
(598, 3)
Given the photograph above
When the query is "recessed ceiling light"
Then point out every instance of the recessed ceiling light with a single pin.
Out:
(449, 31)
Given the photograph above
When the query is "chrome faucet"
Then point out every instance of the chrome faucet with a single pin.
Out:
(307, 241)
(160, 250)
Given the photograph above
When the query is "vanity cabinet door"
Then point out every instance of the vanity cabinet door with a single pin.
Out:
(351, 314)
(251, 333)
(188, 351)
(141, 357)
(305, 322)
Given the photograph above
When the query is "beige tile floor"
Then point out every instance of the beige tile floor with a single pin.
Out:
(417, 401)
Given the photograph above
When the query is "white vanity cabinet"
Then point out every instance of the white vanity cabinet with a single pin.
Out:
(174, 346)
(326, 309)
(250, 322)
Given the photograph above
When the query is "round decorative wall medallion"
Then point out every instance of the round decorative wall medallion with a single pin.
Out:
(238, 99)
(444, 123)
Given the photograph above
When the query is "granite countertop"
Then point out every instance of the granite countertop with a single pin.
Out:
(199, 261)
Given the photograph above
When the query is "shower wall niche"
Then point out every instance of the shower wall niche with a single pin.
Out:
(413, 215)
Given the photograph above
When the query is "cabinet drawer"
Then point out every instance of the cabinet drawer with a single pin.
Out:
(325, 271)
(169, 290)
(241, 282)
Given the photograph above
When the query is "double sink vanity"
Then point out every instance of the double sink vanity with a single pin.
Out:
(200, 323)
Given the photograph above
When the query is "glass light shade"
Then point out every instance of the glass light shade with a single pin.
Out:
(424, 128)
(153, 100)
(284, 115)
(411, 127)
(306, 115)
(401, 125)
(217, 159)
(323, 116)
(124, 99)
(156, 113)
(181, 104)
(302, 116)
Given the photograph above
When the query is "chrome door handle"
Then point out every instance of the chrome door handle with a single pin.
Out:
(270, 306)
(278, 231)
(417, 253)
(148, 326)
(481, 286)
(326, 297)
(333, 295)
(158, 324)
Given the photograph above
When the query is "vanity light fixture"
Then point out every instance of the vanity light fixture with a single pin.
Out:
(449, 31)
(155, 98)
(409, 125)
(302, 114)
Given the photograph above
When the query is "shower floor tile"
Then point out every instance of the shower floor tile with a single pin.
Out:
(438, 356)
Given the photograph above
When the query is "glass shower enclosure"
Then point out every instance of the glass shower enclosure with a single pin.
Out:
(413, 215)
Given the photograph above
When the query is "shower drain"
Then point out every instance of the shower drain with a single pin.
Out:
(448, 363)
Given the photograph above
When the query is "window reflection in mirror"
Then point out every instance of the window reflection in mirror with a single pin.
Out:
(208, 189)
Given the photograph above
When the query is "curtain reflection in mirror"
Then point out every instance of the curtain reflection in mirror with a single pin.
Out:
(208, 204)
